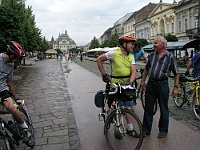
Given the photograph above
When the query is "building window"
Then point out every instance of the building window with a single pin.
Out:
(179, 26)
(196, 22)
(152, 31)
(167, 28)
(172, 27)
(186, 24)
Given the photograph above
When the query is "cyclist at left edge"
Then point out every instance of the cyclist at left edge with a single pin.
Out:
(7, 59)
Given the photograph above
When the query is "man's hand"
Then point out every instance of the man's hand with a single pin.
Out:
(106, 78)
(187, 73)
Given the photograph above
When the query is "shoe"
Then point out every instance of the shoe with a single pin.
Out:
(26, 134)
(145, 134)
(162, 134)
(133, 133)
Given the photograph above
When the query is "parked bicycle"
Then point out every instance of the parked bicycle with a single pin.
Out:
(11, 133)
(114, 118)
(141, 93)
(184, 97)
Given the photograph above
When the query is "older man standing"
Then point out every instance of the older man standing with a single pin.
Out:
(159, 66)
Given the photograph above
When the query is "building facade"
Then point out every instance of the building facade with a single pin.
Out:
(63, 42)
(187, 19)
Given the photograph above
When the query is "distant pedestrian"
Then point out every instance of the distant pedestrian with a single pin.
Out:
(61, 55)
(57, 56)
(81, 57)
(158, 67)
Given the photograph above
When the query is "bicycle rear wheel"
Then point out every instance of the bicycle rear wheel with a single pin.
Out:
(142, 98)
(31, 141)
(117, 137)
(179, 99)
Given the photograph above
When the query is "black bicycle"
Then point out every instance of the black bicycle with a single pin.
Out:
(141, 93)
(11, 133)
(115, 119)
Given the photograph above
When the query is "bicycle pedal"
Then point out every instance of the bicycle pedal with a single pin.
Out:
(101, 116)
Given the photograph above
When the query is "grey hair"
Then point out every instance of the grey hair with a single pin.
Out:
(162, 39)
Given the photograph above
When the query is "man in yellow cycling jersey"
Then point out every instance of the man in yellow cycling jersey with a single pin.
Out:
(124, 70)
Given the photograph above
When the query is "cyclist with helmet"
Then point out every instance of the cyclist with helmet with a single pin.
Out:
(124, 70)
(7, 59)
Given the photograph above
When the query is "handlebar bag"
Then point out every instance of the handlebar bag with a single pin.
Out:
(126, 92)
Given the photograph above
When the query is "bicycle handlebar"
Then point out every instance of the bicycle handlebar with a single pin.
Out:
(187, 78)
(119, 86)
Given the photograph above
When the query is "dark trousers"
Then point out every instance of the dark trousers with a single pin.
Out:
(156, 90)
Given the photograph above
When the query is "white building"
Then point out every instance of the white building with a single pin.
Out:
(63, 42)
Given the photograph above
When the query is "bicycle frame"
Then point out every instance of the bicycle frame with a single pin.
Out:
(194, 88)
(17, 137)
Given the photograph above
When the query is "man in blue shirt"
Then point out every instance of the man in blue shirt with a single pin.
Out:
(196, 62)
(138, 51)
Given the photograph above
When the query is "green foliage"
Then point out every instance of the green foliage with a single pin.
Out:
(111, 42)
(58, 51)
(17, 23)
(94, 43)
(171, 38)
(74, 50)
(143, 41)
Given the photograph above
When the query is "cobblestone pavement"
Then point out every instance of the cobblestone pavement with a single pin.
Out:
(184, 115)
(42, 85)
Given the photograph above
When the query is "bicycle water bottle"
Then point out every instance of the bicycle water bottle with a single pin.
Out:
(12, 125)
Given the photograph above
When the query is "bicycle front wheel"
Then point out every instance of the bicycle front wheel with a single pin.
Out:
(6, 143)
(196, 107)
(179, 99)
(27, 119)
(116, 135)
(142, 98)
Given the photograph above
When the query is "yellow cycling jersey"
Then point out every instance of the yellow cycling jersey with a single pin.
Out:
(121, 65)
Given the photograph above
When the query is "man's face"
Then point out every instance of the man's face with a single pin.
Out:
(137, 49)
(158, 45)
(129, 46)
(14, 59)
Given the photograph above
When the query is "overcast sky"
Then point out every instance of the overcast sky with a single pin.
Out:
(83, 19)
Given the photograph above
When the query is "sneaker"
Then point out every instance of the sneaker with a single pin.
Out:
(26, 134)
(162, 134)
(133, 133)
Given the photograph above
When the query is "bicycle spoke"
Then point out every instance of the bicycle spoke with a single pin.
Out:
(179, 99)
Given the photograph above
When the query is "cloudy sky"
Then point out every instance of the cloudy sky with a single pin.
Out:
(83, 19)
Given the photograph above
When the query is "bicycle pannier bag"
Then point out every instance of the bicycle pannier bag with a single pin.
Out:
(99, 99)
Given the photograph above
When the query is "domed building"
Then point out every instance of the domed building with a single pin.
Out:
(63, 42)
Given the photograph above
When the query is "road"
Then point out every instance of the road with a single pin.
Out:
(83, 84)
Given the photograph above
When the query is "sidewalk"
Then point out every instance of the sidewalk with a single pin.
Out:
(82, 85)
(42, 85)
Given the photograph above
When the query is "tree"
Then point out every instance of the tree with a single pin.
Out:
(17, 23)
(171, 38)
(143, 41)
(111, 42)
(94, 43)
